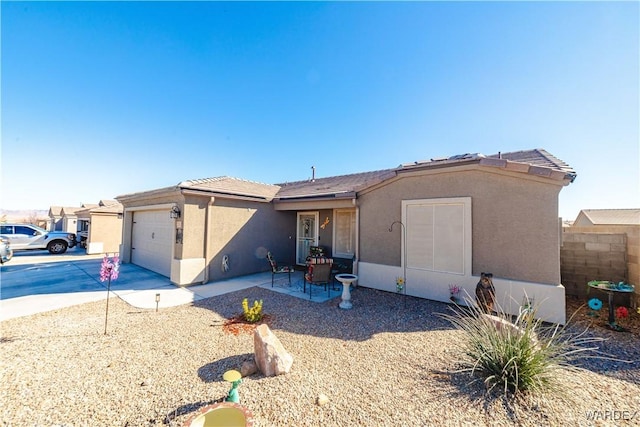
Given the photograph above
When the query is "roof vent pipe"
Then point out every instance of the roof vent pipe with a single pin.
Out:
(313, 173)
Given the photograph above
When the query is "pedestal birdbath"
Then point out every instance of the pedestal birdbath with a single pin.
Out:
(346, 280)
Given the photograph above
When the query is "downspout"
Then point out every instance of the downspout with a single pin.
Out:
(357, 255)
(207, 239)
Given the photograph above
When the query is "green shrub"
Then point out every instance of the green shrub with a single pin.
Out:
(252, 314)
(521, 356)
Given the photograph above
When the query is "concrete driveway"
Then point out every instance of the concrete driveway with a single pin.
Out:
(35, 282)
(28, 288)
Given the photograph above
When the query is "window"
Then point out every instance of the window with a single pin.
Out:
(438, 234)
(344, 239)
(6, 229)
(28, 231)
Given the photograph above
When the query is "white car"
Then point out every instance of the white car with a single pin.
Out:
(27, 236)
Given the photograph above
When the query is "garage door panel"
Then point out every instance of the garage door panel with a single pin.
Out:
(151, 243)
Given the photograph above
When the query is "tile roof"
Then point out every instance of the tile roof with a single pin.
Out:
(334, 186)
(66, 210)
(231, 186)
(612, 216)
(55, 210)
(535, 162)
(538, 157)
(538, 162)
(114, 207)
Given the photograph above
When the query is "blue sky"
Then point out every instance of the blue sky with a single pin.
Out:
(104, 99)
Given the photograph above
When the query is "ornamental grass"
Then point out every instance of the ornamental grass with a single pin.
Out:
(517, 354)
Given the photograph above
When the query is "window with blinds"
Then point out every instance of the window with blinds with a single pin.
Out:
(344, 239)
(438, 234)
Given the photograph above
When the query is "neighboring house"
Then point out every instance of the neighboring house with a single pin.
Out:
(101, 227)
(66, 218)
(459, 216)
(607, 217)
(55, 218)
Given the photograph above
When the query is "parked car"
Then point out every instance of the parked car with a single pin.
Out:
(6, 253)
(27, 236)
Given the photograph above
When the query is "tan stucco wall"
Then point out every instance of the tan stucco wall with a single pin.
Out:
(241, 229)
(194, 211)
(244, 231)
(105, 229)
(515, 229)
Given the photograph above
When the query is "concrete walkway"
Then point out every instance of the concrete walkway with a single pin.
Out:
(27, 289)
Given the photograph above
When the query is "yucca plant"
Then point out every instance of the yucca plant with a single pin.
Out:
(517, 356)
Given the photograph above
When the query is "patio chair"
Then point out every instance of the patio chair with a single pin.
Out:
(318, 273)
(275, 269)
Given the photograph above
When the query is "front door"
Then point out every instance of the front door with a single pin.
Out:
(307, 235)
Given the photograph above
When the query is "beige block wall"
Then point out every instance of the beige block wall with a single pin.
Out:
(105, 232)
(632, 248)
(515, 230)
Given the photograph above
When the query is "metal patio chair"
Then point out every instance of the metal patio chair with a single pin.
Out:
(275, 269)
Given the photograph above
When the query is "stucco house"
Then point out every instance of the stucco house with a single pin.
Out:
(66, 218)
(450, 220)
(607, 218)
(101, 227)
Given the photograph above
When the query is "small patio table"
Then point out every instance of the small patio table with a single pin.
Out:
(610, 289)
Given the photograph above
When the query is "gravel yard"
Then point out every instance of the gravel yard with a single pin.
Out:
(387, 362)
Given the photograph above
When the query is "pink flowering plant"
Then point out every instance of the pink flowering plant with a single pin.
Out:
(454, 290)
(110, 268)
(109, 271)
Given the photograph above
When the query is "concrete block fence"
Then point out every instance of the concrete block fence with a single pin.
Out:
(588, 255)
(593, 256)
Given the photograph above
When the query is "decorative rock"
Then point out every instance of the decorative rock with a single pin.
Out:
(249, 367)
(271, 357)
(322, 399)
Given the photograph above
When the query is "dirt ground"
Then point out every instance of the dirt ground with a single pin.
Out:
(578, 308)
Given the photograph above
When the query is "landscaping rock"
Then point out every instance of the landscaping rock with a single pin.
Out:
(249, 367)
(322, 399)
(271, 357)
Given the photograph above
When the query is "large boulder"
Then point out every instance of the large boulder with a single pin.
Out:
(271, 357)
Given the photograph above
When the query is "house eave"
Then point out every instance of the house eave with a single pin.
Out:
(316, 197)
(225, 195)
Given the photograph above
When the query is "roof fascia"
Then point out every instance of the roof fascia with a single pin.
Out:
(193, 192)
(148, 194)
(307, 205)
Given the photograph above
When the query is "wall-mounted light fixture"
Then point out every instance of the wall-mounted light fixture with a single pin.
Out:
(175, 212)
(157, 301)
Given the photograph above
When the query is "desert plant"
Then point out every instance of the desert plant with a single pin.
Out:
(517, 356)
(252, 314)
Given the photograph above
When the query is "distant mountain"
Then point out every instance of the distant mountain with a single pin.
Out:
(24, 215)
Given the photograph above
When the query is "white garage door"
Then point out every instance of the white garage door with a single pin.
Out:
(151, 241)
